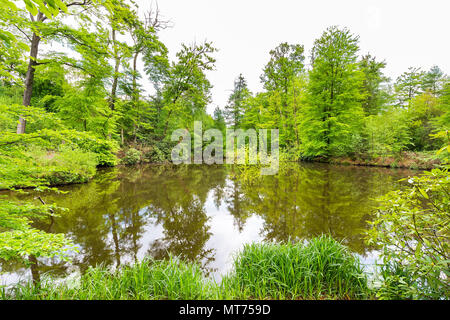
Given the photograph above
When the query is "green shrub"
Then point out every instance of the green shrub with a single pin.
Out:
(132, 157)
(412, 227)
(155, 155)
(36, 165)
(46, 129)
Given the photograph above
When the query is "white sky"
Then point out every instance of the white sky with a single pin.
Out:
(403, 32)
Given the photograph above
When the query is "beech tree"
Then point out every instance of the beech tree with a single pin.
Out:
(285, 65)
(332, 119)
(39, 20)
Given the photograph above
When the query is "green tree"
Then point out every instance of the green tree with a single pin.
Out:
(408, 85)
(433, 80)
(219, 119)
(421, 112)
(186, 90)
(234, 110)
(285, 65)
(332, 119)
(374, 95)
(41, 20)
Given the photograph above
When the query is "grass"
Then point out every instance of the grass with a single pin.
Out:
(146, 280)
(320, 269)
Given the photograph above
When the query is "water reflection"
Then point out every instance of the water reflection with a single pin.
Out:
(205, 213)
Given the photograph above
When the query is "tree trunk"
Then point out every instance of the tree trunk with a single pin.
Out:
(34, 270)
(29, 79)
(295, 116)
(136, 96)
(112, 100)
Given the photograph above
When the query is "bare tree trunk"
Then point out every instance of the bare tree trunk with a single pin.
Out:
(136, 95)
(34, 270)
(29, 79)
(112, 101)
(295, 117)
(114, 85)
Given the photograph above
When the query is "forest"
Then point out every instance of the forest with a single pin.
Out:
(74, 99)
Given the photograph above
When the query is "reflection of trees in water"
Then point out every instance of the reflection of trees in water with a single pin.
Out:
(185, 234)
(304, 201)
(237, 199)
(108, 216)
(178, 204)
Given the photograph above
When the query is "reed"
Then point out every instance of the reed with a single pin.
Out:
(320, 269)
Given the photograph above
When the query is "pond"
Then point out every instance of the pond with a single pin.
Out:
(206, 213)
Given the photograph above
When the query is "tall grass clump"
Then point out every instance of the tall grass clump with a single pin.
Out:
(150, 279)
(320, 269)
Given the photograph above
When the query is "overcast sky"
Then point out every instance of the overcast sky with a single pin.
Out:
(402, 32)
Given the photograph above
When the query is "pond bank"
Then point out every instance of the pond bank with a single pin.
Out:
(320, 269)
(408, 160)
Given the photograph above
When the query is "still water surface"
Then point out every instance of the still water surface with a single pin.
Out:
(206, 213)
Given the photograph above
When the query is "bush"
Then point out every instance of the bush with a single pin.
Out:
(155, 155)
(132, 157)
(46, 129)
(35, 165)
(412, 226)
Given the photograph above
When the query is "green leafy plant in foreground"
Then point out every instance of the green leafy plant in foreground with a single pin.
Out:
(19, 240)
(412, 227)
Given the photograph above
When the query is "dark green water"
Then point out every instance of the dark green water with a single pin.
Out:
(206, 213)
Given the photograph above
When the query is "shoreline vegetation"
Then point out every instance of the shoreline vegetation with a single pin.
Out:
(61, 177)
(319, 269)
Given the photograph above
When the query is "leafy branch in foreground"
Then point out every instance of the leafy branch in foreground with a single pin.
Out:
(412, 226)
(19, 240)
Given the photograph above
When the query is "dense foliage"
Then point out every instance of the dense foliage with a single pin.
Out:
(412, 228)
(66, 111)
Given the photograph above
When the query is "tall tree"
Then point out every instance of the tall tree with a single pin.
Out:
(145, 41)
(333, 117)
(374, 95)
(286, 64)
(186, 89)
(433, 80)
(34, 28)
(408, 85)
(219, 120)
(234, 110)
